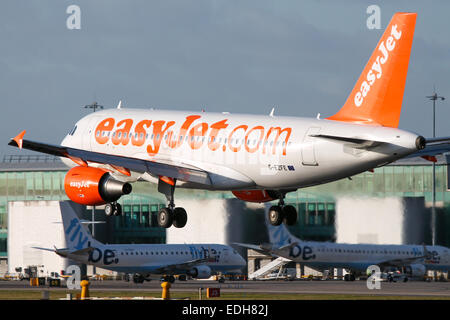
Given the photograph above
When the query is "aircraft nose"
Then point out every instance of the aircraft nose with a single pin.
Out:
(64, 141)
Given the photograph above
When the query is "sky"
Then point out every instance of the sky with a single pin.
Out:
(246, 56)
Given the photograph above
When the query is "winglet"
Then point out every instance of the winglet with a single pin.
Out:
(19, 139)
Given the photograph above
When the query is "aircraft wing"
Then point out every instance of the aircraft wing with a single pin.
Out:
(64, 252)
(258, 248)
(267, 248)
(399, 262)
(183, 173)
(182, 267)
(405, 261)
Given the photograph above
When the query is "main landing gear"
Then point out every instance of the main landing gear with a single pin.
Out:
(170, 215)
(113, 208)
(282, 213)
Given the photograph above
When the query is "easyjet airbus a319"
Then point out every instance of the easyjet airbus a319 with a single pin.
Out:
(258, 158)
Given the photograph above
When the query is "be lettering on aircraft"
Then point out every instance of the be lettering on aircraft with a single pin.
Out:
(79, 239)
(259, 158)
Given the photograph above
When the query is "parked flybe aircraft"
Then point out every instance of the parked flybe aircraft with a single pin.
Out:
(258, 158)
(199, 261)
(414, 260)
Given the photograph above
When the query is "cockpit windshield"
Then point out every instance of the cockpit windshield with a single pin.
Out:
(73, 131)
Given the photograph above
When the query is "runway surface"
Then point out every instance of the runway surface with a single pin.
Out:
(411, 288)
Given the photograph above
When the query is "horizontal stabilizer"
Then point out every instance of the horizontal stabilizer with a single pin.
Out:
(64, 252)
(437, 140)
(91, 222)
(362, 143)
(45, 249)
(83, 251)
(433, 147)
(288, 246)
(263, 248)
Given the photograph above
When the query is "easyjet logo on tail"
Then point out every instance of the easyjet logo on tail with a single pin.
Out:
(376, 72)
(195, 134)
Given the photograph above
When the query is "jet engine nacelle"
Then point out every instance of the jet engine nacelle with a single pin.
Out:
(416, 270)
(93, 186)
(200, 272)
(254, 195)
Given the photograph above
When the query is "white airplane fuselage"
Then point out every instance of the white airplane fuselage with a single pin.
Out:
(242, 151)
(151, 258)
(323, 255)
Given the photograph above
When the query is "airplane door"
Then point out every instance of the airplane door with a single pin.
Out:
(308, 151)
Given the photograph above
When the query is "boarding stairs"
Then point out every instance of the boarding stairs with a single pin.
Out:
(277, 263)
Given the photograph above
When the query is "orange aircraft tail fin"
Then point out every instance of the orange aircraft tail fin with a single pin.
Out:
(378, 93)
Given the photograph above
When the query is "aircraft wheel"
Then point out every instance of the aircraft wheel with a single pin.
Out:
(171, 279)
(165, 218)
(179, 217)
(109, 209)
(275, 215)
(118, 210)
(289, 215)
(352, 277)
(137, 278)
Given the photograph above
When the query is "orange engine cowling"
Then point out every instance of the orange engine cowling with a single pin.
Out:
(93, 186)
(253, 195)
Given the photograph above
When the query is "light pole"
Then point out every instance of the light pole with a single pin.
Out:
(433, 98)
(94, 106)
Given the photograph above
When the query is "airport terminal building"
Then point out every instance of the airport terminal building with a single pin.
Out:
(354, 210)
